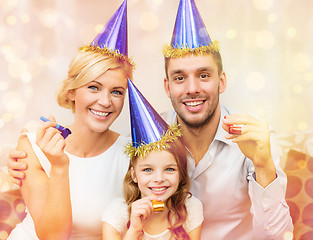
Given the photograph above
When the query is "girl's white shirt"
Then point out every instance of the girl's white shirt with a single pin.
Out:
(116, 214)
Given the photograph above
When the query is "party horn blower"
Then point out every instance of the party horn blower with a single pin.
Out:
(64, 131)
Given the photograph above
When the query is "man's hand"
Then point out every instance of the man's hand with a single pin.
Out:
(16, 169)
(254, 142)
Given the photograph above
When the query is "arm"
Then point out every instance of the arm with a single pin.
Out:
(195, 234)
(109, 232)
(47, 199)
(267, 187)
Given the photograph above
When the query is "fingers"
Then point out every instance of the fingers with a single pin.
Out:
(52, 142)
(15, 165)
(15, 154)
(42, 129)
(240, 119)
(16, 181)
(143, 207)
(16, 174)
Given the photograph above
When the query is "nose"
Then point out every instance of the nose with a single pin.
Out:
(105, 99)
(193, 86)
(159, 176)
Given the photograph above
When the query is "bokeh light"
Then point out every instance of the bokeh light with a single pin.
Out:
(272, 18)
(302, 62)
(4, 86)
(17, 68)
(263, 4)
(11, 20)
(298, 88)
(49, 17)
(266, 51)
(25, 18)
(255, 81)
(302, 125)
(265, 39)
(308, 76)
(291, 32)
(231, 34)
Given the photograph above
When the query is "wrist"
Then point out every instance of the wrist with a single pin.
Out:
(59, 169)
(265, 174)
(134, 232)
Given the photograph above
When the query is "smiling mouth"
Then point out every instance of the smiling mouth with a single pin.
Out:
(100, 114)
(194, 103)
(158, 189)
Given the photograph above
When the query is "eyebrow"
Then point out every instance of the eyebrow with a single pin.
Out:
(149, 165)
(201, 69)
(204, 69)
(94, 81)
(118, 87)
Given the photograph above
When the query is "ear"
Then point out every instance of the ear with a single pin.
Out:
(223, 82)
(166, 87)
(133, 175)
(71, 95)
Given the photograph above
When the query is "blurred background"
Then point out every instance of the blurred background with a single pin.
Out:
(266, 46)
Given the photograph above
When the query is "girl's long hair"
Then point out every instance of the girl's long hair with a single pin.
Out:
(177, 214)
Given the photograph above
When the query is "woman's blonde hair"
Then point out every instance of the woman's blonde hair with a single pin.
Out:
(86, 67)
(177, 214)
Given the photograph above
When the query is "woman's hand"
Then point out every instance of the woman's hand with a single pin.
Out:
(52, 143)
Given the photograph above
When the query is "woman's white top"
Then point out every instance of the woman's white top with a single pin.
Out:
(116, 214)
(94, 182)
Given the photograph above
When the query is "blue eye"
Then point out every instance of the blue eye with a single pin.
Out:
(117, 92)
(148, 170)
(170, 169)
(94, 88)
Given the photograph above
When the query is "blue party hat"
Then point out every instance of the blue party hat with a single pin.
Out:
(149, 131)
(190, 34)
(112, 40)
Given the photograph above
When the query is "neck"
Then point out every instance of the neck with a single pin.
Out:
(85, 143)
(199, 139)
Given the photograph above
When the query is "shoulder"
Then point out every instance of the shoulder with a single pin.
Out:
(116, 214)
(195, 213)
(192, 203)
(26, 143)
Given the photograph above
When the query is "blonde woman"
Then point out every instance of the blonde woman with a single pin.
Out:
(69, 181)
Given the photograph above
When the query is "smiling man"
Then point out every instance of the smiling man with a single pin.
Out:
(236, 175)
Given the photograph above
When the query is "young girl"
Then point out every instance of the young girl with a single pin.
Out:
(157, 172)
(68, 180)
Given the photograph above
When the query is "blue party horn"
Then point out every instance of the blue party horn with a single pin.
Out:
(64, 131)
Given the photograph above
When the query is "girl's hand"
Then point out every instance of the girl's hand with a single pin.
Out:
(52, 143)
(140, 211)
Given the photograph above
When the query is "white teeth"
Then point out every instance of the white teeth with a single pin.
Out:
(193, 104)
(100, 114)
(159, 189)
